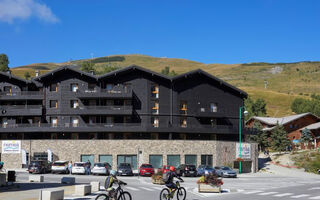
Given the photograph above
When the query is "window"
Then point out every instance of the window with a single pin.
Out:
(191, 160)
(155, 107)
(54, 87)
(183, 122)
(155, 91)
(7, 90)
(74, 87)
(106, 159)
(75, 121)
(74, 104)
(92, 87)
(291, 126)
(183, 107)
(155, 161)
(92, 119)
(54, 121)
(214, 107)
(206, 160)
(86, 158)
(109, 87)
(155, 122)
(53, 104)
(213, 122)
(131, 159)
(173, 160)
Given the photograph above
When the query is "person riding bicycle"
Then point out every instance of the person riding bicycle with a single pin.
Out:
(111, 179)
(168, 179)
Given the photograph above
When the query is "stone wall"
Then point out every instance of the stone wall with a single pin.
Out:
(71, 150)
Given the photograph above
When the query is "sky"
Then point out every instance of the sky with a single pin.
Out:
(208, 31)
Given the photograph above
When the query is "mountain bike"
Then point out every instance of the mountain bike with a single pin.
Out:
(120, 194)
(167, 194)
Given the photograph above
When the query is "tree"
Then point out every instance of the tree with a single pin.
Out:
(279, 139)
(255, 108)
(306, 136)
(4, 63)
(87, 67)
(300, 105)
(27, 75)
(261, 136)
(166, 71)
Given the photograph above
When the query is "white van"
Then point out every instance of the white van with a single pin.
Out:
(60, 167)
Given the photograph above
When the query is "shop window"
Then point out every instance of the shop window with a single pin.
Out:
(206, 160)
(155, 122)
(106, 159)
(213, 107)
(156, 161)
(183, 107)
(155, 91)
(53, 104)
(86, 158)
(54, 87)
(131, 159)
(173, 160)
(74, 87)
(74, 104)
(191, 160)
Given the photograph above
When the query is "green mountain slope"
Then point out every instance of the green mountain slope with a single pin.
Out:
(285, 81)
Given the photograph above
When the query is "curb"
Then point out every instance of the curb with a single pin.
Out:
(287, 166)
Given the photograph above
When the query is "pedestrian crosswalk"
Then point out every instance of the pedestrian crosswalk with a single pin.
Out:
(279, 194)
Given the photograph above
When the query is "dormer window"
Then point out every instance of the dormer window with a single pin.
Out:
(74, 87)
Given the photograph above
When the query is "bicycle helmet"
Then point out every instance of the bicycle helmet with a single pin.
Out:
(113, 172)
(172, 168)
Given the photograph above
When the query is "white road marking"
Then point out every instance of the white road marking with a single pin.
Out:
(299, 196)
(283, 195)
(317, 197)
(314, 188)
(253, 192)
(145, 188)
(267, 193)
(132, 188)
(157, 188)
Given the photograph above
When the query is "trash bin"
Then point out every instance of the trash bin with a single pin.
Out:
(11, 176)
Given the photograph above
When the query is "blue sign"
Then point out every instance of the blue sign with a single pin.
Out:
(295, 141)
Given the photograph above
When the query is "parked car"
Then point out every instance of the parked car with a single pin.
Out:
(186, 170)
(146, 170)
(165, 168)
(125, 169)
(101, 168)
(78, 168)
(39, 166)
(60, 167)
(205, 169)
(224, 171)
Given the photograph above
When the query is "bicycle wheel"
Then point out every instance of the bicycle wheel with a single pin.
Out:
(165, 194)
(125, 196)
(181, 194)
(102, 197)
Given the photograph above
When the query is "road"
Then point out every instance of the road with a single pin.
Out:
(247, 186)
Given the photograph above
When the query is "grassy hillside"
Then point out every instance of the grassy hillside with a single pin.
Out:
(286, 81)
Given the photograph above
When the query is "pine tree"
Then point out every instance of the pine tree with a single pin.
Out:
(306, 136)
(87, 67)
(279, 139)
(4, 63)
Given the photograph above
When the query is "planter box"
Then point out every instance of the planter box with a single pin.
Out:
(202, 187)
(159, 182)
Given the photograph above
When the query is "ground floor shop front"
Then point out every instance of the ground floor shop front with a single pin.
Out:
(136, 152)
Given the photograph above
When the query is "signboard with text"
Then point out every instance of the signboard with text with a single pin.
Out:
(245, 151)
(11, 146)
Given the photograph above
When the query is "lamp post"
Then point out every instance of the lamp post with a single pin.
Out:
(240, 116)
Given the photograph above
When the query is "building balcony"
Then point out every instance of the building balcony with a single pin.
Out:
(115, 92)
(21, 110)
(93, 110)
(32, 95)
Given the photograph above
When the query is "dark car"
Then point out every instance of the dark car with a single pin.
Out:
(146, 170)
(205, 169)
(125, 169)
(39, 167)
(186, 170)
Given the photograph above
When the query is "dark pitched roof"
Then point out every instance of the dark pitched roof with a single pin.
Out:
(200, 71)
(134, 67)
(14, 77)
(66, 67)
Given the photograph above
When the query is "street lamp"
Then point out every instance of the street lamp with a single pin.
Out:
(241, 108)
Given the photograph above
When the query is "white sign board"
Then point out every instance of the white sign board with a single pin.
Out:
(245, 151)
(11, 146)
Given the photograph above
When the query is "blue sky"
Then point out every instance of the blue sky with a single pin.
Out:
(35, 31)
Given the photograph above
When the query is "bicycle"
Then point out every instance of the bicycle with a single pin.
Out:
(167, 194)
(120, 194)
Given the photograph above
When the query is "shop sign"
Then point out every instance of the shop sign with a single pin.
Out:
(11, 146)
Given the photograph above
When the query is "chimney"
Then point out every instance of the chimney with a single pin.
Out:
(92, 72)
(37, 73)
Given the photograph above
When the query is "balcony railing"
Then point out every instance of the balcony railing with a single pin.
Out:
(9, 107)
(20, 93)
(114, 90)
(107, 107)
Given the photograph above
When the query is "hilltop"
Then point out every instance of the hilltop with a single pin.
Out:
(285, 81)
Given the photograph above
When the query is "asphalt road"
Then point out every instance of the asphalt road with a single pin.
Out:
(247, 186)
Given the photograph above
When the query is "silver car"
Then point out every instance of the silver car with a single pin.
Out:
(101, 168)
(224, 171)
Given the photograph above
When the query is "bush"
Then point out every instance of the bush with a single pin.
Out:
(211, 179)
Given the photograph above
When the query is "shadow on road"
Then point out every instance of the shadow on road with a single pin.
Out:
(262, 162)
(31, 186)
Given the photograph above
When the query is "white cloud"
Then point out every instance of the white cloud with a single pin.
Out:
(11, 10)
